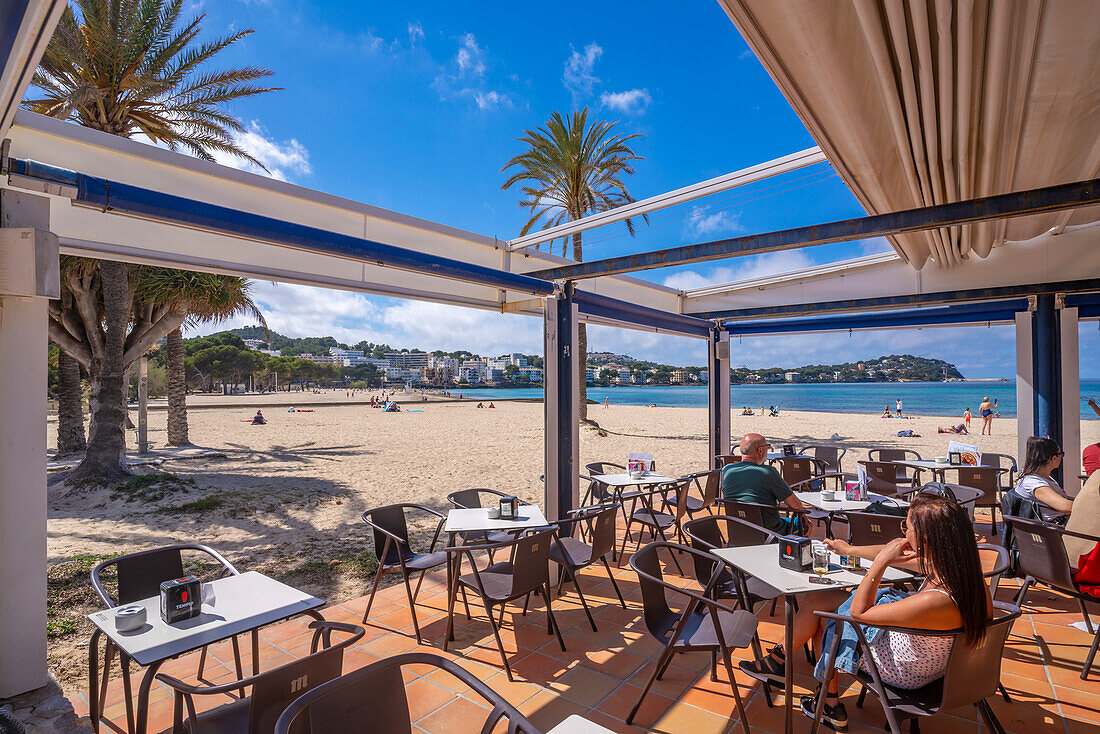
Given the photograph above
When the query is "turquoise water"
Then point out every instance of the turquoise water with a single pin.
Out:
(918, 398)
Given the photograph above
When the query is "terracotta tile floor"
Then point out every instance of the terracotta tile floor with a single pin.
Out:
(601, 674)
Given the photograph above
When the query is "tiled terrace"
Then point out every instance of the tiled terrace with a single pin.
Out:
(601, 674)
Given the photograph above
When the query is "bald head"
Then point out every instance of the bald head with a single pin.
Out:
(754, 448)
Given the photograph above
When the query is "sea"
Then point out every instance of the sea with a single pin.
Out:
(918, 398)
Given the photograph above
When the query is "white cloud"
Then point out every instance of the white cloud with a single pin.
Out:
(578, 77)
(630, 102)
(470, 57)
(416, 33)
(491, 100)
(282, 159)
(702, 222)
(745, 268)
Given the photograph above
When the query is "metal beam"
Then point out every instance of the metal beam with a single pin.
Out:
(760, 171)
(968, 313)
(120, 198)
(25, 29)
(592, 304)
(1002, 206)
(916, 299)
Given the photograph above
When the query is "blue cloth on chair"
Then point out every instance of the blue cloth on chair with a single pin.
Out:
(847, 653)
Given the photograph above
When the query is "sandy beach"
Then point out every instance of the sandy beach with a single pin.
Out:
(287, 496)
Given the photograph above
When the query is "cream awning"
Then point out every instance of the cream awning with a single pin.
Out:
(921, 103)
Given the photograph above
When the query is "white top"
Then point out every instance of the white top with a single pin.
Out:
(242, 603)
(762, 562)
(1026, 488)
(625, 480)
(815, 500)
(575, 724)
(477, 518)
(910, 661)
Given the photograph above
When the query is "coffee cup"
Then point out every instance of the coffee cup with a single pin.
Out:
(828, 495)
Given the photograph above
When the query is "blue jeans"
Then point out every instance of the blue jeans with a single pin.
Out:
(847, 653)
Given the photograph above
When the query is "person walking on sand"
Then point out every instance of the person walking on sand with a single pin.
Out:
(985, 410)
(898, 401)
(966, 417)
(606, 403)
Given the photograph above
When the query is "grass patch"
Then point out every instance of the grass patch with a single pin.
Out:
(69, 592)
(362, 564)
(204, 504)
(149, 487)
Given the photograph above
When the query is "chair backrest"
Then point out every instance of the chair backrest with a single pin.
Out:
(659, 618)
(276, 689)
(602, 519)
(390, 518)
(372, 700)
(465, 499)
(603, 467)
(796, 469)
(867, 528)
(681, 489)
(1042, 555)
(720, 531)
(724, 459)
(882, 476)
(831, 455)
(974, 671)
(141, 574)
(747, 511)
(530, 561)
(892, 455)
(709, 482)
(1002, 461)
(995, 562)
(983, 478)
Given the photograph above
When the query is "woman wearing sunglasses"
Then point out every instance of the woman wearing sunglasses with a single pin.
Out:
(938, 544)
(1044, 456)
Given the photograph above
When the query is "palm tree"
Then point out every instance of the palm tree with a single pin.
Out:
(70, 408)
(207, 298)
(130, 67)
(571, 170)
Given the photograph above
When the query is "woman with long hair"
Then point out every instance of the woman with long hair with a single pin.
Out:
(1035, 484)
(939, 544)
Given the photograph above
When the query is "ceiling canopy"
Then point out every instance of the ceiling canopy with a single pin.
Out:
(932, 102)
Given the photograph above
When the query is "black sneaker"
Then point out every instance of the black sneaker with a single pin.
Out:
(835, 716)
(766, 669)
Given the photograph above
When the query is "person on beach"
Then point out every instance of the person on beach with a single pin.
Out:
(966, 417)
(746, 410)
(1035, 484)
(961, 428)
(985, 410)
(491, 405)
(258, 419)
(480, 405)
(939, 544)
(751, 480)
(898, 401)
(606, 403)
(886, 412)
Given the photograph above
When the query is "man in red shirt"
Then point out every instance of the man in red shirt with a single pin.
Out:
(1090, 457)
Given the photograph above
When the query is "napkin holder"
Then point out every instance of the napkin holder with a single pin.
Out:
(788, 449)
(954, 457)
(509, 508)
(180, 599)
(795, 553)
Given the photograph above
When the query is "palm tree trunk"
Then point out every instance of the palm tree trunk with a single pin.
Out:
(582, 348)
(177, 391)
(107, 378)
(70, 411)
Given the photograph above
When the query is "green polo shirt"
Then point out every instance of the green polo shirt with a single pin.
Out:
(762, 484)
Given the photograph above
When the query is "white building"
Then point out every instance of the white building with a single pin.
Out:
(317, 359)
(792, 376)
(408, 360)
(531, 374)
(257, 344)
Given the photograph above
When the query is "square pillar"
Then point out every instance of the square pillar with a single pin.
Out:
(1025, 391)
(1069, 373)
(718, 395)
(560, 405)
(28, 278)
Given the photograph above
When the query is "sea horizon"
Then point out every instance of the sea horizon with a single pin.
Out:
(945, 399)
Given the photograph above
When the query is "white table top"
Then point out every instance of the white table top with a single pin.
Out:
(477, 518)
(625, 480)
(813, 499)
(941, 466)
(762, 562)
(241, 603)
(575, 724)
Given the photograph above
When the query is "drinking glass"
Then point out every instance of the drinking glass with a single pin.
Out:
(821, 560)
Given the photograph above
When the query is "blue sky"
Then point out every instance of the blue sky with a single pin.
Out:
(415, 107)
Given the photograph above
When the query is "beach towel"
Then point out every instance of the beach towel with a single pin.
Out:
(907, 434)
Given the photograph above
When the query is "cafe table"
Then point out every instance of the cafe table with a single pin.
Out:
(840, 504)
(242, 603)
(620, 482)
(762, 562)
(461, 521)
(939, 468)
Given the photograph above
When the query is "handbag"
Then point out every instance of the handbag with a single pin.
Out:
(887, 507)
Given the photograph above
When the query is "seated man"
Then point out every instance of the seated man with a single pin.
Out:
(751, 480)
(258, 419)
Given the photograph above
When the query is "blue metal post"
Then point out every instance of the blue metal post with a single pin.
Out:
(561, 409)
(1046, 354)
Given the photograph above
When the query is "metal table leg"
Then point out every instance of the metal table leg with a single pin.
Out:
(143, 696)
(788, 651)
(93, 680)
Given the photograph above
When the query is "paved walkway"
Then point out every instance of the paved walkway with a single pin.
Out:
(601, 674)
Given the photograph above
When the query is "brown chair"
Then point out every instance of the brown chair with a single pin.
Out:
(1043, 560)
(1007, 479)
(708, 483)
(702, 625)
(572, 554)
(372, 700)
(655, 521)
(139, 576)
(597, 490)
(723, 459)
(272, 691)
(394, 553)
(889, 455)
(973, 673)
(830, 456)
(505, 581)
(987, 480)
(868, 528)
(798, 469)
(753, 512)
(466, 499)
(723, 531)
(884, 477)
